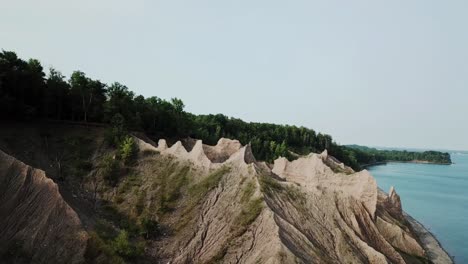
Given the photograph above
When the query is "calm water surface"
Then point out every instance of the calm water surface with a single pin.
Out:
(436, 195)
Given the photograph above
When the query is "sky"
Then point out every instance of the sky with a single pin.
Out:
(369, 72)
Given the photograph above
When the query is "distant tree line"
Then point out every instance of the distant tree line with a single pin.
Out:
(367, 155)
(27, 93)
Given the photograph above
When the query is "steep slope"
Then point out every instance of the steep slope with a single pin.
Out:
(311, 210)
(36, 225)
(195, 203)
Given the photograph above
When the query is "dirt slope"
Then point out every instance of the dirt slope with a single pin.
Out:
(311, 210)
(206, 204)
(36, 225)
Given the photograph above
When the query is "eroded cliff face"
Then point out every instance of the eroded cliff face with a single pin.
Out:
(36, 225)
(311, 210)
(217, 204)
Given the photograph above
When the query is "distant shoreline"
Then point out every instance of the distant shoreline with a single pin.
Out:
(411, 161)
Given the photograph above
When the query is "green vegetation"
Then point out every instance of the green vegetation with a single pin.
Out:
(27, 94)
(269, 185)
(124, 248)
(117, 132)
(115, 250)
(149, 228)
(250, 212)
(199, 190)
(127, 149)
(109, 169)
(170, 185)
(98, 251)
(251, 208)
(367, 155)
(120, 220)
(248, 191)
(272, 187)
(118, 237)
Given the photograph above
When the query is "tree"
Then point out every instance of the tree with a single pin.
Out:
(26, 94)
(120, 101)
(56, 95)
(36, 86)
(21, 86)
(178, 105)
(97, 100)
(89, 95)
(117, 131)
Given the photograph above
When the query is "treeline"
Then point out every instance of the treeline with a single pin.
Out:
(372, 155)
(28, 93)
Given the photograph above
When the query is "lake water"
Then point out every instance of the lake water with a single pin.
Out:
(436, 195)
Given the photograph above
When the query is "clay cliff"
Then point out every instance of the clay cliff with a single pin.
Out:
(312, 210)
(215, 204)
(37, 225)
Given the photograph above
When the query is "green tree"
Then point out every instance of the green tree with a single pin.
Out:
(56, 95)
(120, 101)
(117, 131)
(178, 105)
(127, 149)
(88, 96)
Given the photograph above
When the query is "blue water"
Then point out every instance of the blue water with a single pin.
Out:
(436, 195)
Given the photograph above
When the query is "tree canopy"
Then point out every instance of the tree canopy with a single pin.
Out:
(27, 93)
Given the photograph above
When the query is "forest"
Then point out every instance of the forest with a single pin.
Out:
(373, 155)
(27, 93)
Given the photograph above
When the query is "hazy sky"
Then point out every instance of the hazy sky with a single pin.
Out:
(379, 73)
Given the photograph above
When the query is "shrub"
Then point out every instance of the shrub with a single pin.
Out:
(117, 132)
(109, 169)
(98, 251)
(121, 220)
(124, 248)
(121, 245)
(149, 228)
(127, 150)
